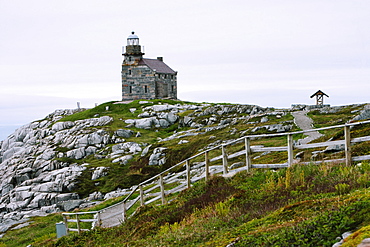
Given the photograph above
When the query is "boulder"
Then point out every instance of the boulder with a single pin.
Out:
(123, 160)
(145, 123)
(264, 119)
(365, 243)
(97, 195)
(158, 156)
(335, 148)
(124, 133)
(99, 172)
(145, 151)
(69, 205)
(77, 154)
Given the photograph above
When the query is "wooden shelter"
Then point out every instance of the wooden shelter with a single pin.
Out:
(319, 97)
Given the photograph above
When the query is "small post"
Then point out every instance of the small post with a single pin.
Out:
(161, 184)
(65, 220)
(98, 219)
(78, 224)
(206, 165)
(224, 159)
(188, 179)
(347, 146)
(248, 161)
(290, 150)
(141, 195)
(61, 229)
(124, 212)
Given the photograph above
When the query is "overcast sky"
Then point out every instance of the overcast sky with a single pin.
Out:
(56, 53)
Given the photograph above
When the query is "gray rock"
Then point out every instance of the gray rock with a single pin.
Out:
(97, 195)
(172, 118)
(123, 160)
(127, 147)
(144, 115)
(145, 151)
(335, 148)
(365, 243)
(163, 123)
(66, 197)
(145, 123)
(264, 119)
(69, 205)
(77, 154)
(162, 107)
(124, 133)
(274, 128)
(158, 156)
(99, 172)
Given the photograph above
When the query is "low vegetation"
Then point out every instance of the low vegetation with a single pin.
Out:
(305, 205)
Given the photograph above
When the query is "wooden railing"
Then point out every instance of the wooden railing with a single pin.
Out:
(180, 176)
(95, 221)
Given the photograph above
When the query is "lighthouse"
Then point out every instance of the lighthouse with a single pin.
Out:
(145, 78)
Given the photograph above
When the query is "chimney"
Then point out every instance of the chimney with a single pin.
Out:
(160, 59)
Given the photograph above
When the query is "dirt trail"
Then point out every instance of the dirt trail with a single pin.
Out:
(305, 123)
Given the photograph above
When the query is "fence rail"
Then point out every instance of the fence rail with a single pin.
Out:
(180, 176)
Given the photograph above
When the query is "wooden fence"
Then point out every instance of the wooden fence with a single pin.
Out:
(78, 221)
(166, 184)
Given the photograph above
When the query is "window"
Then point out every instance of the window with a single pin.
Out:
(172, 88)
(145, 89)
(130, 89)
(129, 72)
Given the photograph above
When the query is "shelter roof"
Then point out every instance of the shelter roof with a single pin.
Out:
(319, 92)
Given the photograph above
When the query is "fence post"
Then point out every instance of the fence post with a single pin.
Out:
(206, 165)
(347, 146)
(188, 179)
(224, 159)
(65, 222)
(141, 195)
(124, 211)
(161, 184)
(78, 224)
(98, 219)
(248, 161)
(290, 150)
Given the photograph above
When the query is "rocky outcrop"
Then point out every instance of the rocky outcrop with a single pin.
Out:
(35, 177)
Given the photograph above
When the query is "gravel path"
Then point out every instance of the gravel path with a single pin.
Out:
(305, 123)
(112, 216)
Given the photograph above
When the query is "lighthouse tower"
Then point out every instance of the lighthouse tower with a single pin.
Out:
(133, 50)
(144, 78)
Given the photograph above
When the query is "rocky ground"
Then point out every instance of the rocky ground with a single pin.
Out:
(38, 177)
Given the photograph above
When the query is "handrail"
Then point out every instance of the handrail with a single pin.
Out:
(253, 136)
(186, 182)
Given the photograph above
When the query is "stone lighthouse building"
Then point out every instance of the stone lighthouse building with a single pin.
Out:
(144, 78)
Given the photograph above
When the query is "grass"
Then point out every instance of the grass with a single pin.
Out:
(41, 231)
(297, 206)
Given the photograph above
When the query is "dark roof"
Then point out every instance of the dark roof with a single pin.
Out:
(319, 93)
(157, 65)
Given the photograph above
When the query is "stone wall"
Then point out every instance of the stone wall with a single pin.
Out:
(135, 81)
(140, 82)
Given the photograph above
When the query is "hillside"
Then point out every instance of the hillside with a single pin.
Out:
(75, 159)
